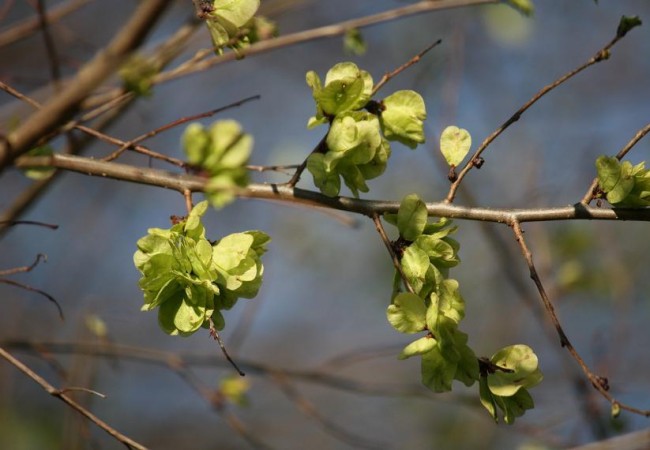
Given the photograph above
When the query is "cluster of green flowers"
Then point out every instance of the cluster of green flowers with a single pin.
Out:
(435, 307)
(357, 146)
(623, 183)
(190, 280)
(221, 153)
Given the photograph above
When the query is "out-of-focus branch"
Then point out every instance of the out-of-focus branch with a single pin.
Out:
(58, 110)
(187, 359)
(330, 427)
(61, 395)
(29, 26)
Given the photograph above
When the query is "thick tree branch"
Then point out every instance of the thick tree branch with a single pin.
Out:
(182, 183)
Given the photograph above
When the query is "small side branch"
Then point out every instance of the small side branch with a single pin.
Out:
(38, 291)
(321, 147)
(416, 59)
(393, 256)
(40, 257)
(602, 55)
(132, 143)
(60, 394)
(601, 384)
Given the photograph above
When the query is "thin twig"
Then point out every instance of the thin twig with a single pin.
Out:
(321, 147)
(476, 160)
(40, 257)
(188, 200)
(11, 223)
(215, 335)
(33, 289)
(82, 389)
(393, 256)
(131, 144)
(163, 55)
(130, 443)
(601, 384)
(416, 59)
(592, 191)
(53, 59)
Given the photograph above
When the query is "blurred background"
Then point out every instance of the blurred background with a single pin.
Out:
(319, 354)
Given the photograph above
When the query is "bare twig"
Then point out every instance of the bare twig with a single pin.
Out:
(591, 192)
(162, 54)
(175, 123)
(11, 223)
(95, 133)
(602, 55)
(188, 200)
(40, 257)
(215, 335)
(82, 389)
(130, 443)
(416, 59)
(601, 384)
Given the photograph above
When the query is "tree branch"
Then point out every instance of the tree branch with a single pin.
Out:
(283, 193)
